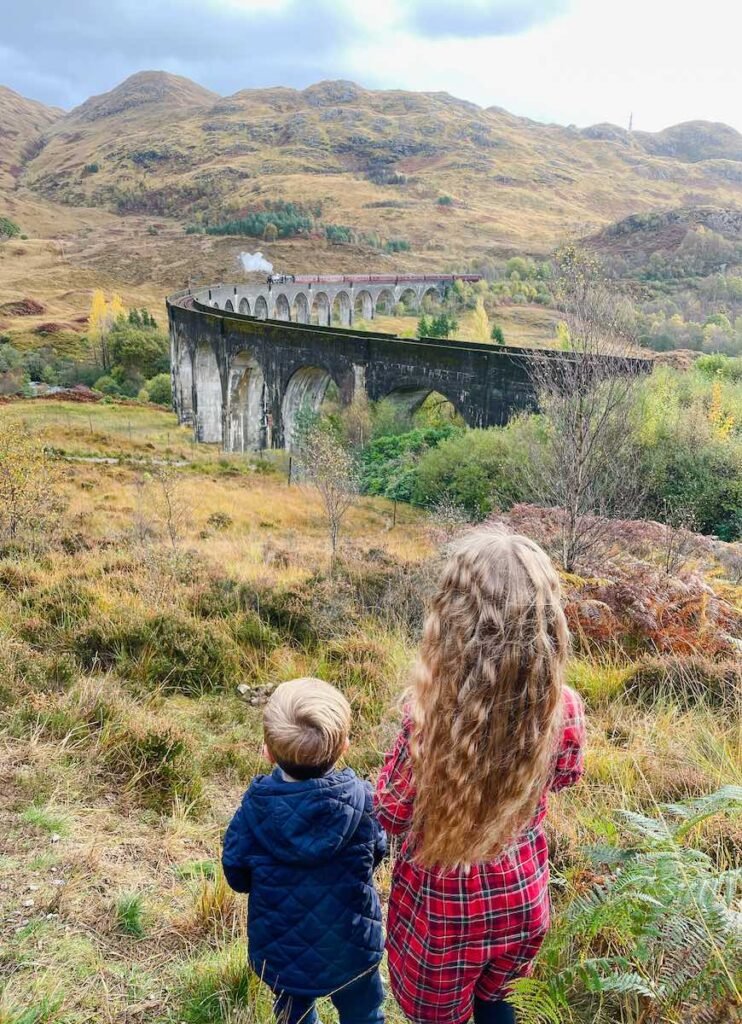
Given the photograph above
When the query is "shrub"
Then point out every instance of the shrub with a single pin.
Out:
(154, 759)
(388, 463)
(170, 650)
(107, 385)
(687, 681)
(8, 228)
(29, 498)
(445, 200)
(219, 521)
(159, 389)
(468, 468)
(726, 367)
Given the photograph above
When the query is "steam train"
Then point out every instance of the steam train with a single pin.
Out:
(368, 278)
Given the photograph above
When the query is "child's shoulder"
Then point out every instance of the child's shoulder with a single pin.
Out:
(573, 706)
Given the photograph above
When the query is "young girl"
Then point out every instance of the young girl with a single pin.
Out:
(489, 730)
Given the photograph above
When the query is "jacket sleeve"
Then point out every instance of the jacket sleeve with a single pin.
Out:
(570, 763)
(378, 833)
(395, 791)
(236, 853)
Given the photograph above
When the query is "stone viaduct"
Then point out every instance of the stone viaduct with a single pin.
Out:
(321, 300)
(241, 380)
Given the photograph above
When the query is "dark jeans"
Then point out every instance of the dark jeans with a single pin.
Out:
(493, 1013)
(360, 1002)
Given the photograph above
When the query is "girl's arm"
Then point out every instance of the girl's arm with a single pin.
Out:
(570, 763)
(235, 853)
(395, 791)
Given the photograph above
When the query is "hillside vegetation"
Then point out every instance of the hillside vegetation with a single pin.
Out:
(161, 145)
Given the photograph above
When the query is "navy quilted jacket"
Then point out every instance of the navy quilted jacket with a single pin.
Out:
(306, 852)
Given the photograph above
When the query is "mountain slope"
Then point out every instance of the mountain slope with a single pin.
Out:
(376, 161)
(22, 122)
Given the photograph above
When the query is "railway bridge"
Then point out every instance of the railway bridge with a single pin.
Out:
(241, 379)
(322, 299)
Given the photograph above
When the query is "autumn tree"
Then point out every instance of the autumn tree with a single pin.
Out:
(101, 319)
(585, 462)
(480, 322)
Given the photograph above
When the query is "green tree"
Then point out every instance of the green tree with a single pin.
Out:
(497, 335)
(141, 350)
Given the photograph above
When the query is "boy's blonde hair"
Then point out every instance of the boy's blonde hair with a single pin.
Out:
(487, 698)
(306, 724)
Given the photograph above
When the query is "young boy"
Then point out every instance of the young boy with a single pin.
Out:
(304, 843)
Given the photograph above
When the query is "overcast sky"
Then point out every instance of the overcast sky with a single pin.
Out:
(570, 61)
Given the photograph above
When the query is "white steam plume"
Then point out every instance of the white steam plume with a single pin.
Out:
(252, 261)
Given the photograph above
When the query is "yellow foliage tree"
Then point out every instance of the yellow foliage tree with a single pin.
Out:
(564, 341)
(97, 315)
(116, 309)
(480, 322)
(722, 422)
(101, 318)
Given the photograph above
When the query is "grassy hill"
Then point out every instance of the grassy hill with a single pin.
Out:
(374, 160)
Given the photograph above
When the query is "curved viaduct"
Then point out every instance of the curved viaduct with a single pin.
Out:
(241, 380)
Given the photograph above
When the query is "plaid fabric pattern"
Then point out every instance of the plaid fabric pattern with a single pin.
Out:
(470, 931)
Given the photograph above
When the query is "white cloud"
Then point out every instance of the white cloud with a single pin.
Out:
(580, 61)
(664, 61)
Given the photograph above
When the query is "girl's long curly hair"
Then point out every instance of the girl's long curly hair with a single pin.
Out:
(486, 698)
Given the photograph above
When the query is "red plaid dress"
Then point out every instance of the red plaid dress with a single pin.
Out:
(469, 931)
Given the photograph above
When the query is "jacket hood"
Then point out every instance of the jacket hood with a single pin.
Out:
(305, 822)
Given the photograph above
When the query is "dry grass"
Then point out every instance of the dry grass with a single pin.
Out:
(112, 907)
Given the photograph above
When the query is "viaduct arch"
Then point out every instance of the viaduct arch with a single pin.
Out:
(240, 379)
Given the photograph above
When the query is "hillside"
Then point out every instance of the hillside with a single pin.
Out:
(22, 122)
(376, 161)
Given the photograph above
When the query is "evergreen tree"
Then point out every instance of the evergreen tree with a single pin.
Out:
(134, 318)
(497, 335)
(423, 327)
